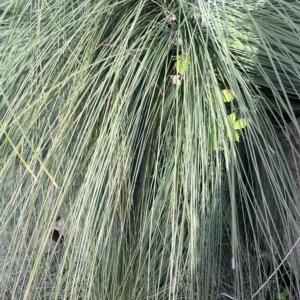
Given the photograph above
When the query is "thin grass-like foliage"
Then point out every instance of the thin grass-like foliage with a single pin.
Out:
(113, 122)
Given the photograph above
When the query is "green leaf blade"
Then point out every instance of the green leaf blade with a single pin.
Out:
(228, 95)
(239, 124)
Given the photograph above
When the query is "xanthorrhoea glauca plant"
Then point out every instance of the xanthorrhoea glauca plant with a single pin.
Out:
(152, 129)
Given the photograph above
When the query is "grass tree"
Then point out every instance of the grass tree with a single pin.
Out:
(140, 148)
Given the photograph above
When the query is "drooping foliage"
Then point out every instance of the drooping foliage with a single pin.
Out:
(140, 148)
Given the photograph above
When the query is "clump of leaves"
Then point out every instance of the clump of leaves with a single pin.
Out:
(181, 66)
(146, 203)
(228, 128)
